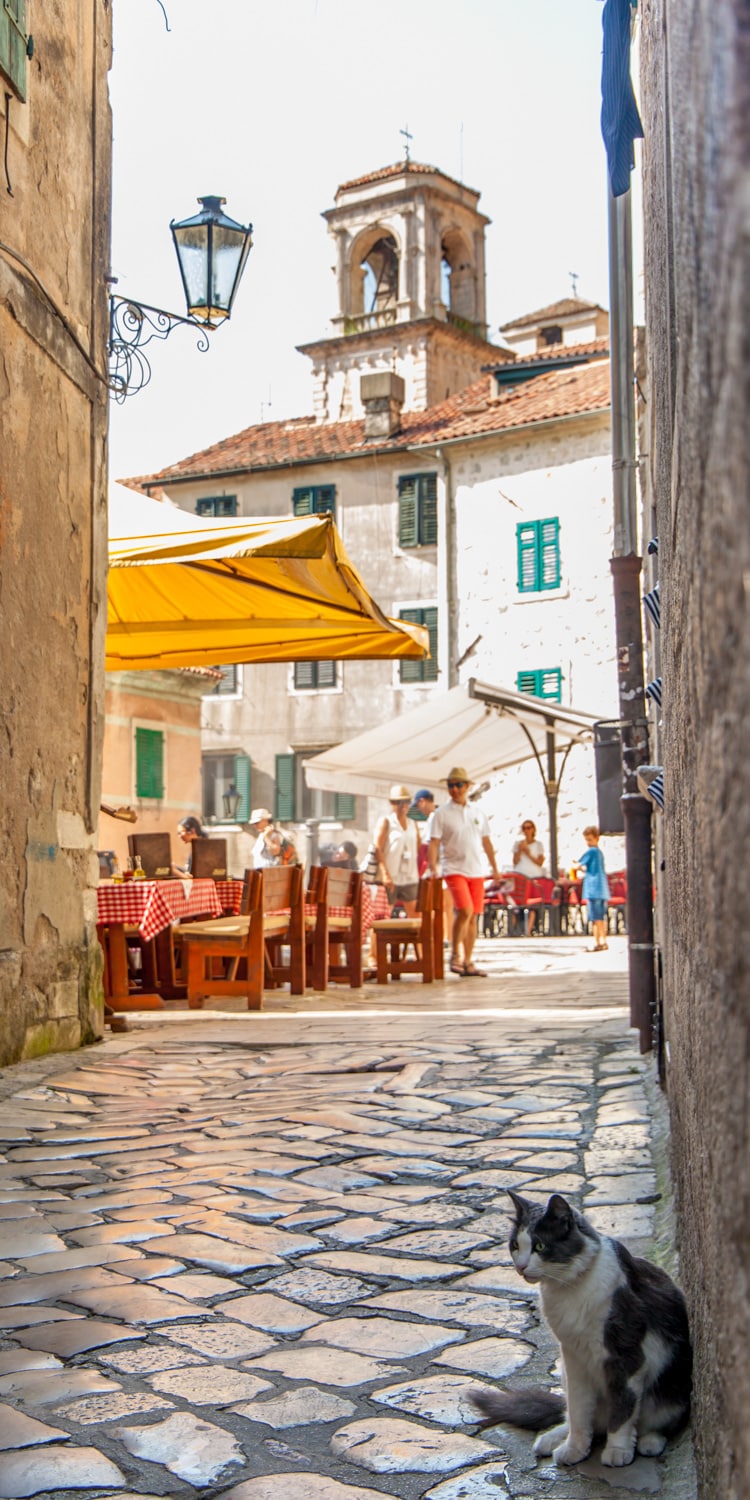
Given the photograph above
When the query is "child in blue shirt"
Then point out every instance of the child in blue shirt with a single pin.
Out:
(595, 887)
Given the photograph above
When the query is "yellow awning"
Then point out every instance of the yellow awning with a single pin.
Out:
(241, 590)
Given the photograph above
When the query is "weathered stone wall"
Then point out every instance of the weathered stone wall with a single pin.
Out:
(53, 414)
(696, 102)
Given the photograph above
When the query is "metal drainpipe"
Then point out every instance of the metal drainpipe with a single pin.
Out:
(626, 568)
(451, 583)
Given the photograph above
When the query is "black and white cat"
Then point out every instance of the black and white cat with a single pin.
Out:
(623, 1332)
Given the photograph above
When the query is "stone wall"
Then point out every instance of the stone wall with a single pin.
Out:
(54, 257)
(696, 107)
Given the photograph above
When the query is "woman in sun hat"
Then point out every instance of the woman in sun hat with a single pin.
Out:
(460, 837)
(396, 840)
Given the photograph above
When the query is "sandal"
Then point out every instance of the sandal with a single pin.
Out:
(472, 973)
(457, 968)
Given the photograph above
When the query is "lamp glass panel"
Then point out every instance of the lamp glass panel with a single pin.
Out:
(227, 262)
(193, 254)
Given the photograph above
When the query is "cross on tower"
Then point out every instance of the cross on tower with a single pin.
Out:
(408, 137)
(574, 282)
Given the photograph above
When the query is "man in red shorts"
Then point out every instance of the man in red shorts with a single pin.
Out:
(460, 839)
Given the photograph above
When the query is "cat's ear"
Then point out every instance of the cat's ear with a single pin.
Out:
(522, 1205)
(560, 1212)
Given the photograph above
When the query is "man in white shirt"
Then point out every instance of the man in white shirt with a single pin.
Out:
(460, 838)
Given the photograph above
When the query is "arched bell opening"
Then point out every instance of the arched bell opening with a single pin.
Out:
(374, 277)
(458, 283)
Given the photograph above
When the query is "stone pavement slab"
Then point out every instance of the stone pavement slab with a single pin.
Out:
(274, 1257)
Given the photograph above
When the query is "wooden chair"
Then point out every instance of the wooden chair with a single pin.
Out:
(233, 956)
(333, 926)
(412, 945)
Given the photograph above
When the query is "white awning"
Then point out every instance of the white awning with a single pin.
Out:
(484, 728)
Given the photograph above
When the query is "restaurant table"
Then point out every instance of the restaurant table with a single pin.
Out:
(153, 906)
(376, 905)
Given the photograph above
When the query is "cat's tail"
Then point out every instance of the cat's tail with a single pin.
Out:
(535, 1410)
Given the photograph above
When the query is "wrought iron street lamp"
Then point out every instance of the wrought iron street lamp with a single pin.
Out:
(231, 799)
(212, 251)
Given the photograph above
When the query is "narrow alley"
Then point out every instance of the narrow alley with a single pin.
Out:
(266, 1256)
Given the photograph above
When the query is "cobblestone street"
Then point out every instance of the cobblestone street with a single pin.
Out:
(256, 1256)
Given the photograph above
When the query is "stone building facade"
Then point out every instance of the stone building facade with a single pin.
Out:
(54, 258)
(435, 499)
(696, 116)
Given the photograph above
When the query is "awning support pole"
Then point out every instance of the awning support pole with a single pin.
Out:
(626, 568)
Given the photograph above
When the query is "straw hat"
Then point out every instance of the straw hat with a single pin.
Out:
(399, 794)
(458, 773)
(258, 814)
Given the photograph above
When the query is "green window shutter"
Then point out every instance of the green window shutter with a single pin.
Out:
(550, 685)
(285, 808)
(149, 763)
(428, 529)
(425, 670)
(544, 683)
(343, 807)
(549, 554)
(242, 781)
(407, 514)
(303, 502)
(13, 44)
(304, 674)
(326, 674)
(325, 499)
(527, 539)
(527, 682)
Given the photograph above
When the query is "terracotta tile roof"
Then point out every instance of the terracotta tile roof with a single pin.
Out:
(398, 169)
(565, 308)
(478, 410)
(593, 349)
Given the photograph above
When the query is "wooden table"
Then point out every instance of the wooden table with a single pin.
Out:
(153, 906)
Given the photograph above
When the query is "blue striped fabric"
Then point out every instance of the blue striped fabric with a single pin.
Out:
(653, 605)
(653, 546)
(621, 123)
(653, 691)
(656, 790)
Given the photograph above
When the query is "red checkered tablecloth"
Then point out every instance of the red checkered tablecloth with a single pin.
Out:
(375, 906)
(230, 895)
(152, 905)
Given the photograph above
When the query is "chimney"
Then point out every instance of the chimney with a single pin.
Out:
(382, 396)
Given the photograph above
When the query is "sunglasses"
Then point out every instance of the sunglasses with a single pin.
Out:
(453, 785)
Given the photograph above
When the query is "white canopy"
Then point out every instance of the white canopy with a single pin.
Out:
(484, 728)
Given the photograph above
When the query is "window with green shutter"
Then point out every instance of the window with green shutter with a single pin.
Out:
(216, 505)
(149, 763)
(417, 510)
(343, 807)
(285, 800)
(243, 783)
(14, 45)
(425, 670)
(538, 544)
(314, 674)
(314, 500)
(544, 683)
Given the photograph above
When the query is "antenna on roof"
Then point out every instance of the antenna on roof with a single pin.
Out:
(264, 404)
(574, 278)
(408, 138)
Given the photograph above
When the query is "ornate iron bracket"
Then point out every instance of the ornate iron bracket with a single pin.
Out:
(132, 325)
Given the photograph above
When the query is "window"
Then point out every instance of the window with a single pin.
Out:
(149, 762)
(230, 685)
(550, 335)
(220, 772)
(425, 670)
(295, 800)
(312, 675)
(13, 44)
(417, 510)
(216, 505)
(538, 544)
(544, 683)
(314, 500)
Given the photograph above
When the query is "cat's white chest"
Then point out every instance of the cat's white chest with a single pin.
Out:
(577, 1311)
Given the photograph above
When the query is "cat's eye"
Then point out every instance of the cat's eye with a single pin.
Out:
(537, 1246)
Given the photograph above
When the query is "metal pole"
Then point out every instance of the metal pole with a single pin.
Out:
(626, 568)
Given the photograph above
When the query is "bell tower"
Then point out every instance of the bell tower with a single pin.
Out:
(410, 284)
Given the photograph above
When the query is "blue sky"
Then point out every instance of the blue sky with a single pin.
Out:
(272, 106)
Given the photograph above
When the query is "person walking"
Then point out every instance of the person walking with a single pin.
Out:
(396, 841)
(272, 846)
(595, 887)
(423, 806)
(528, 860)
(460, 839)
